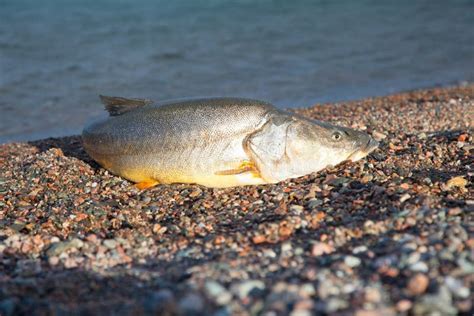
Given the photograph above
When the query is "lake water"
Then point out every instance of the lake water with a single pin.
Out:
(57, 56)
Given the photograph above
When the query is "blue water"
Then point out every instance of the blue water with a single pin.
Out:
(57, 56)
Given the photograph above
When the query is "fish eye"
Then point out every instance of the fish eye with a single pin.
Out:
(337, 136)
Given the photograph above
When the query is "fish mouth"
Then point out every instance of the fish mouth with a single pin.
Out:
(360, 153)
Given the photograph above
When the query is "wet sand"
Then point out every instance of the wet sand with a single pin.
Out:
(390, 234)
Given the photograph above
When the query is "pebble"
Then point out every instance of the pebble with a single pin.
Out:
(422, 135)
(439, 303)
(457, 182)
(419, 266)
(294, 247)
(359, 249)
(378, 135)
(218, 292)
(110, 243)
(296, 209)
(313, 203)
(243, 289)
(60, 247)
(191, 304)
(321, 248)
(456, 287)
(404, 197)
(418, 284)
(352, 261)
(404, 305)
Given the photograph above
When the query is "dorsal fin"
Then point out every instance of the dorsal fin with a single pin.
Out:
(117, 105)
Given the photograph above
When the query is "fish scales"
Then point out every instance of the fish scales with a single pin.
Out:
(216, 142)
(176, 141)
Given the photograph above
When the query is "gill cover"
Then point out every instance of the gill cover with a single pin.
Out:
(267, 147)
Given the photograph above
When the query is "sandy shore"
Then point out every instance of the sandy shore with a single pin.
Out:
(391, 234)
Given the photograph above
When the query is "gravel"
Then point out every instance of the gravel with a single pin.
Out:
(390, 234)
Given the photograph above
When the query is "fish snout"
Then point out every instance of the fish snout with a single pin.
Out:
(365, 145)
(371, 145)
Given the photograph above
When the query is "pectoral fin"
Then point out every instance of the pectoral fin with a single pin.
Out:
(246, 166)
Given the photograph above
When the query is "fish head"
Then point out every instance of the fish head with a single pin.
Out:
(321, 144)
(292, 146)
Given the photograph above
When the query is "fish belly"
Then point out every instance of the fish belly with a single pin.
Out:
(192, 142)
(197, 165)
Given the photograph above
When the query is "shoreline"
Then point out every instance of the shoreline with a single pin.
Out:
(390, 234)
(68, 131)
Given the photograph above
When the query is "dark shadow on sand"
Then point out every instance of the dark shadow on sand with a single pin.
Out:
(71, 146)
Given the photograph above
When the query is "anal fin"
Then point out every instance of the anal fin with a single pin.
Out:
(146, 184)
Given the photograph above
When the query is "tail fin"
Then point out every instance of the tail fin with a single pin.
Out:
(118, 106)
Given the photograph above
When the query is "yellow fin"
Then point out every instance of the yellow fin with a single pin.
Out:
(246, 166)
(146, 184)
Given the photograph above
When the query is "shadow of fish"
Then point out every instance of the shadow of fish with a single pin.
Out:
(215, 142)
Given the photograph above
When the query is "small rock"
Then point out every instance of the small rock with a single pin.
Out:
(217, 292)
(258, 239)
(419, 266)
(456, 182)
(359, 249)
(352, 261)
(313, 203)
(374, 312)
(418, 284)
(286, 247)
(404, 197)
(110, 243)
(296, 209)
(195, 193)
(53, 261)
(8, 306)
(373, 295)
(427, 181)
(422, 136)
(463, 137)
(321, 248)
(307, 290)
(335, 304)
(57, 248)
(301, 312)
(436, 304)
(162, 301)
(243, 289)
(456, 287)
(378, 135)
(191, 304)
(336, 181)
(404, 305)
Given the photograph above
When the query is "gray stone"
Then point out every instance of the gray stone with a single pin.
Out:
(217, 292)
(110, 243)
(352, 261)
(243, 289)
(312, 203)
(191, 303)
(57, 248)
(456, 287)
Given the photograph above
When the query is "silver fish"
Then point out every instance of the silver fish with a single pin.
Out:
(215, 142)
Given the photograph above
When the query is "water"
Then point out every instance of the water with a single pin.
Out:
(57, 56)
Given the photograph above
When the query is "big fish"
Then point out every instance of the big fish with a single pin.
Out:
(215, 142)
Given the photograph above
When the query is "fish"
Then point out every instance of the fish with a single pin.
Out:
(215, 142)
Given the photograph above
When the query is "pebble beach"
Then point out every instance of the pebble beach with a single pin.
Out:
(391, 234)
